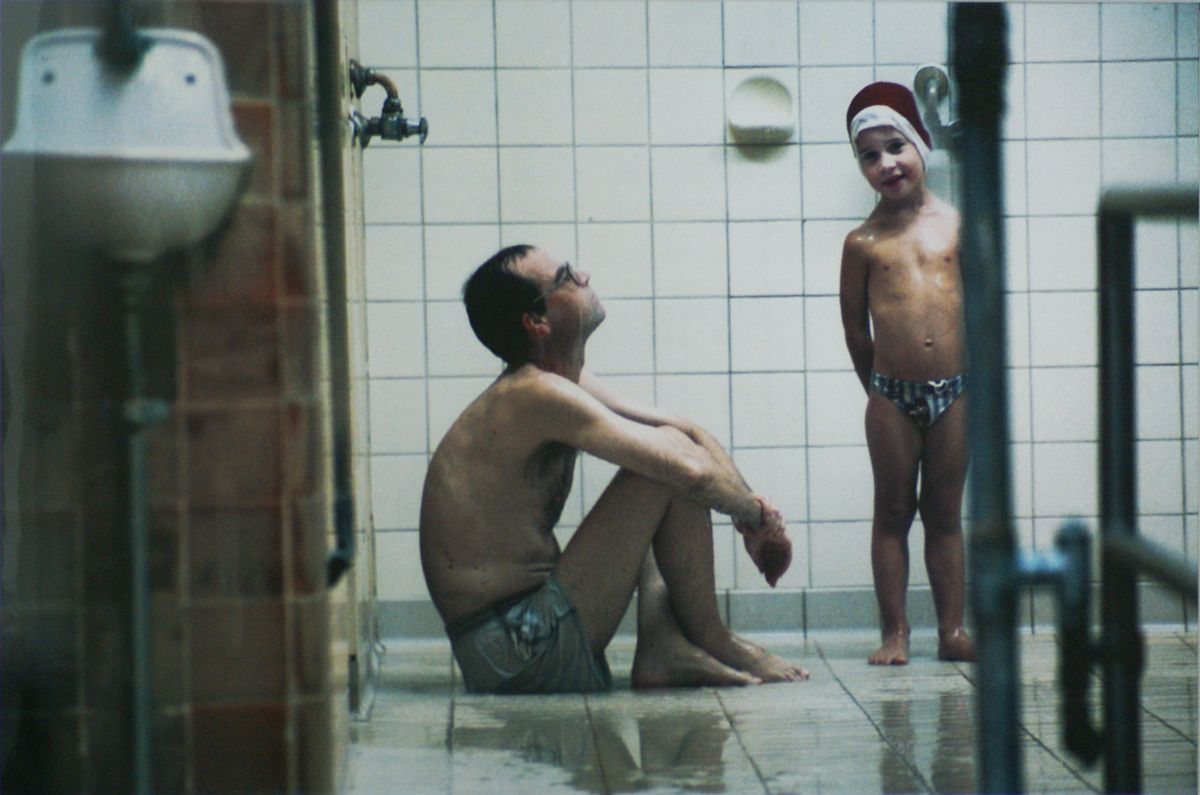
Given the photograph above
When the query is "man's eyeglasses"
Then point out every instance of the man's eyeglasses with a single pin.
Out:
(565, 273)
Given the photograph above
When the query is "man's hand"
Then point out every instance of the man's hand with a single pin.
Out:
(768, 544)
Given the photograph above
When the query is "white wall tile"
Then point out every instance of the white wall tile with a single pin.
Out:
(823, 255)
(453, 252)
(537, 184)
(833, 187)
(635, 388)
(778, 474)
(1062, 253)
(686, 106)
(396, 339)
(1063, 327)
(836, 409)
(1189, 326)
(1159, 481)
(685, 34)
(389, 174)
(688, 183)
(394, 430)
(397, 505)
(533, 33)
(558, 239)
(691, 335)
(387, 33)
(624, 343)
(825, 93)
(462, 105)
(1187, 42)
(824, 337)
(1187, 102)
(613, 184)
(1139, 161)
(596, 475)
(724, 555)
(733, 80)
(455, 32)
(764, 258)
(1016, 327)
(399, 555)
(1157, 326)
(840, 486)
(1164, 530)
(618, 258)
(768, 409)
(1157, 402)
(703, 399)
(1191, 473)
(1062, 32)
(1020, 419)
(767, 333)
(1189, 256)
(460, 185)
(1016, 191)
(1137, 30)
(1063, 100)
(1016, 253)
(841, 554)
(854, 23)
(448, 397)
(1013, 125)
(1016, 32)
(609, 33)
(534, 106)
(453, 347)
(910, 33)
(762, 183)
(1190, 375)
(1023, 478)
(760, 33)
(1064, 404)
(690, 259)
(1139, 98)
(394, 265)
(1064, 177)
(611, 106)
(1065, 479)
(1156, 253)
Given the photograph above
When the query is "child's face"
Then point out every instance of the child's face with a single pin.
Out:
(889, 161)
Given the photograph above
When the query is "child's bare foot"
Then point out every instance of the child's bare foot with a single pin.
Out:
(956, 646)
(669, 660)
(894, 650)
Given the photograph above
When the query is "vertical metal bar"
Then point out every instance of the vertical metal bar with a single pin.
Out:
(1121, 640)
(980, 57)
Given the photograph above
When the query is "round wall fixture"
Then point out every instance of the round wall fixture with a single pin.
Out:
(760, 111)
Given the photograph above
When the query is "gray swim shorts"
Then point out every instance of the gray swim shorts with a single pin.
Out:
(922, 401)
(530, 643)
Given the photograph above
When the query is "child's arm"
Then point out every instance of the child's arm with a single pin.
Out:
(856, 320)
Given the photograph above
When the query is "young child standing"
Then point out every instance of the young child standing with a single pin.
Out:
(901, 302)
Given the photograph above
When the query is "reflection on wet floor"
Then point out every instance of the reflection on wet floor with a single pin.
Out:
(851, 728)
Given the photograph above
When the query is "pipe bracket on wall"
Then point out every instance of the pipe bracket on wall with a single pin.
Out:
(391, 123)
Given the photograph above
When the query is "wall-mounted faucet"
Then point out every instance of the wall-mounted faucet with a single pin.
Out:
(390, 124)
(931, 85)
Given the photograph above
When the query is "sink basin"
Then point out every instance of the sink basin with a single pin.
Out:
(131, 164)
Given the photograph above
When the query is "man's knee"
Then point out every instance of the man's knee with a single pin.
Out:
(896, 511)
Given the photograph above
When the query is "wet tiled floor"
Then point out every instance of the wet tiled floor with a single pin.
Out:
(851, 728)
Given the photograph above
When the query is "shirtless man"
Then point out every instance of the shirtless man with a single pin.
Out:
(524, 616)
(901, 299)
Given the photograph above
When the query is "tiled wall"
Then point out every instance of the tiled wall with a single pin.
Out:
(597, 130)
(242, 699)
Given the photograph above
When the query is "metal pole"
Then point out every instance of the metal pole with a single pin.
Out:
(1121, 640)
(980, 57)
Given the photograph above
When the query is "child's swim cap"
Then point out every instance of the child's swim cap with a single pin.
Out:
(887, 105)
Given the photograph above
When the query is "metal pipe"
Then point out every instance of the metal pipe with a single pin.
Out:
(979, 58)
(1121, 642)
(1160, 563)
(330, 131)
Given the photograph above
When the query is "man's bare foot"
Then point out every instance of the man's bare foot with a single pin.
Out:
(894, 650)
(740, 653)
(671, 661)
(956, 646)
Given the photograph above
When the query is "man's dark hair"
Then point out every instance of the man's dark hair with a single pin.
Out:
(497, 299)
